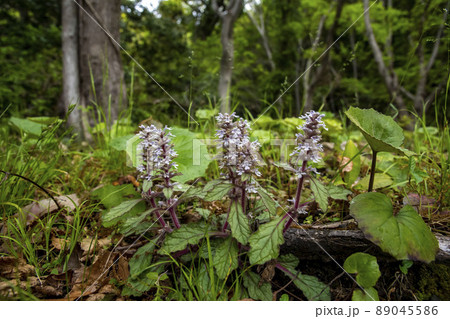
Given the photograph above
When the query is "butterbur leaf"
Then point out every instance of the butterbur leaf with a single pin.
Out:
(381, 181)
(217, 191)
(193, 158)
(380, 131)
(320, 194)
(365, 267)
(226, 258)
(256, 289)
(180, 238)
(268, 201)
(115, 213)
(238, 223)
(370, 294)
(111, 196)
(404, 236)
(312, 288)
(265, 242)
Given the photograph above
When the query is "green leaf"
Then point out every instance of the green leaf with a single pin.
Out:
(132, 224)
(268, 201)
(256, 290)
(406, 264)
(180, 238)
(352, 151)
(193, 192)
(380, 131)
(381, 181)
(265, 242)
(336, 192)
(404, 236)
(167, 192)
(141, 259)
(284, 297)
(111, 196)
(218, 191)
(114, 214)
(320, 194)
(203, 212)
(27, 126)
(238, 223)
(359, 295)
(193, 157)
(120, 143)
(365, 267)
(226, 258)
(312, 288)
(285, 166)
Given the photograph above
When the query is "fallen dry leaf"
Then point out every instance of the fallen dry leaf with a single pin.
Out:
(38, 209)
(89, 244)
(11, 267)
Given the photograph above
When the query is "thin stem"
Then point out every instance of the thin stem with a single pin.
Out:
(298, 195)
(372, 170)
(243, 197)
(225, 225)
(174, 217)
(158, 215)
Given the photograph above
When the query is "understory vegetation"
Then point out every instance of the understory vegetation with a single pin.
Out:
(322, 173)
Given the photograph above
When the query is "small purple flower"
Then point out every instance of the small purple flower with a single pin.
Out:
(308, 143)
(157, 154)
(239, 156)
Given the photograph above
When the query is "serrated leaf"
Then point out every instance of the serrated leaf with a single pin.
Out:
(404, 236)
(180, 238)
(131, 224)
(312, 288)
(268, 202)
(289, 261)
(141, 259)
(285, 166)
(226, 258)
(238, 223)
(320, 194)
(218, 191)
(336, 192)
(192, 192)
(380, 131)
(365, 267)
(117, 212)
(203, 212)
(359, 295)
(256, 290)
(146, 185)
(265, 242)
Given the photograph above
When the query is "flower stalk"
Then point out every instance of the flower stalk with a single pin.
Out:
(308, 149)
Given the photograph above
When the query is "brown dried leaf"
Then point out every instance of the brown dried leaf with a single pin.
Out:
(11, 267)
(38, 209)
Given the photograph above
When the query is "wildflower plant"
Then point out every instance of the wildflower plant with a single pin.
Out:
(308, 149)
(157, 170)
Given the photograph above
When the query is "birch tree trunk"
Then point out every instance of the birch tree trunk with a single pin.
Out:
(71, 76)
(101, 69)
(228, 14)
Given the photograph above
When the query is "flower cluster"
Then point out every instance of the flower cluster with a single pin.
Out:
(308, 143)
(157, 154)
(239, 156)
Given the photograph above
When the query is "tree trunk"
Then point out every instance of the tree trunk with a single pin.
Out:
(71, 77)
(101, 69)
(228, 15)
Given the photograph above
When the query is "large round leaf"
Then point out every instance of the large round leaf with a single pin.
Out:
(365, 267)
(380, 131)
(404, 236)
